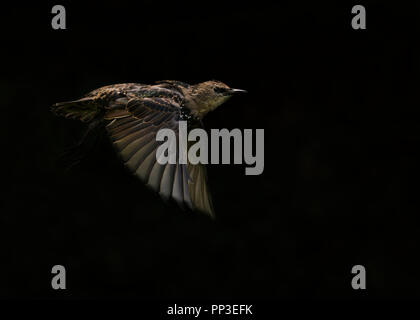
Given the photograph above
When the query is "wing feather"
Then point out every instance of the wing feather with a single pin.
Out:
(134, 137)
(166, 183)
(145, 168)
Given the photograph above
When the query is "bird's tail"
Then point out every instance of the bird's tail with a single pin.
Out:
(84, 109)
(75, 154)
(87, 110)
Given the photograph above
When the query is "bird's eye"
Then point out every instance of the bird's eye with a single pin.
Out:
(220, 90)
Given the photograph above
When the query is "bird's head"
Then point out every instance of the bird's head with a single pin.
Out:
(207, 96)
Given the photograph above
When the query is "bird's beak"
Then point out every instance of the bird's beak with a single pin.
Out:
(234, 91)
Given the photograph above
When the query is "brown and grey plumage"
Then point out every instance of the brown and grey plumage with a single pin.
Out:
(134, 113)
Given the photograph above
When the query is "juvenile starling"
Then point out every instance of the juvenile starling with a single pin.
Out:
(134, 113)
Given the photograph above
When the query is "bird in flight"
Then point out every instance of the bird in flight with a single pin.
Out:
(133, 114)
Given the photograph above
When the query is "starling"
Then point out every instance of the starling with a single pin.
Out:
(133, 114)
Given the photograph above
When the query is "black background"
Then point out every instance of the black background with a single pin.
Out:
(340, 109)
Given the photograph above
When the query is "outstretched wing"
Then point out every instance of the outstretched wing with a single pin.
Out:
(133, 128)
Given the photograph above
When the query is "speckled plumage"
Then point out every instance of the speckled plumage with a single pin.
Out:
(134, 113)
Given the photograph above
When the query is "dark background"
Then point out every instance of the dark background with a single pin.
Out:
(340, 109)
